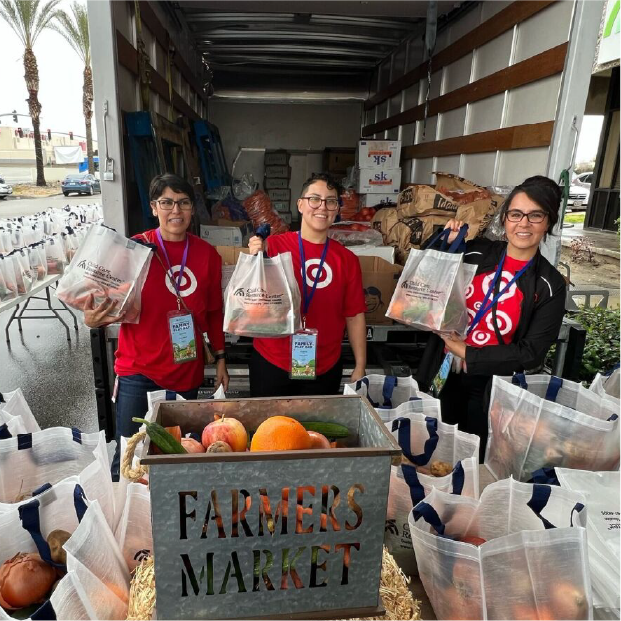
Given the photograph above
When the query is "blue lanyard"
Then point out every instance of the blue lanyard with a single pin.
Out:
(177, 284)
(486, 305)
(308, 298)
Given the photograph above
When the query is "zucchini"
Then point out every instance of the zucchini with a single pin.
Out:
(168, 444)
(330, 430)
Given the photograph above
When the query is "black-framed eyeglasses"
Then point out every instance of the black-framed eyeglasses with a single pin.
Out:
(534, 217)
(314, 202)
(168, 204)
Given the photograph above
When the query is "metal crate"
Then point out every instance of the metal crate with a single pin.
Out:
(217, 558)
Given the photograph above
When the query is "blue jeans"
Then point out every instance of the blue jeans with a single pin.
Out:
(131, 401)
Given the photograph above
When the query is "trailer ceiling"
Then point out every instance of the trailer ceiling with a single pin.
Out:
(316, 48)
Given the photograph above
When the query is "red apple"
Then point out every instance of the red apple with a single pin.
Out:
(228, 430)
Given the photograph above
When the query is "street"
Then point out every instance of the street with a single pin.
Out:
(13, 206)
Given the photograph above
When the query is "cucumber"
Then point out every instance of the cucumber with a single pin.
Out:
(161, 438)
(330, 430)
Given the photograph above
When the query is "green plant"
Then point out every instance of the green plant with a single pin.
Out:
(601, 349)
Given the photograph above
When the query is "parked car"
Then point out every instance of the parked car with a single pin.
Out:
(5, 189)
(578, 196)
(585, 179)
(82, 183)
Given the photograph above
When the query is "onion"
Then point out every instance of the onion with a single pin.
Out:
(25, 580)
(192, 446)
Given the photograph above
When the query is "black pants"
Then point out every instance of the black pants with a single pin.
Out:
(268, 380)
(465, 401)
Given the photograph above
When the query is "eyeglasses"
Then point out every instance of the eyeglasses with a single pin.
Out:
(167, 204)
(314, 202)
(534, 217)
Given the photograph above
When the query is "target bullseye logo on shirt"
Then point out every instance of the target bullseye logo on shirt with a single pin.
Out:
(188, 282)
(323, 279)
(505, 279)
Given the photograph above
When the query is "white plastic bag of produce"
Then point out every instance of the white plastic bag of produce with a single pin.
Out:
(13, 403)
(607, 386)
(55, 255)
(431, 292)
(385, 391)
(520, 552)
(262, 298)
(435, 455)
(601, 491)
(8, 282)
(538, 421)
(24, 276)
(133, 532)
(38, 261)
(34, 461)
(106, 266)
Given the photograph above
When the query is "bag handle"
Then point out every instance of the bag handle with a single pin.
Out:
(458, 479)
(556, 383)
(417, 491)
(390, 381)
(5, 434)
(545, 476)
(463, 231)
(403, 425)
(29, 516)
(365, 381)
(430, 515)
(44, 612)
(442, 234)
(539, 500)
(519, 379)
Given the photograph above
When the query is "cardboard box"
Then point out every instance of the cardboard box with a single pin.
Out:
(337, 161)
(383, 252)
(378, 181)
(226, 233)
(279, 195)
(282, 206)
(229, 261)
(274, 183)
(276, 158)
(379, 279)
(383, 154)
(281, 172)
(371, 200)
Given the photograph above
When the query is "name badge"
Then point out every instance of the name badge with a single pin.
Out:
(304, 354)
(440, 379)
(182, 336)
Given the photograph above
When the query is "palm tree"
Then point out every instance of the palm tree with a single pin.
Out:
(28, 18)
(75, 30)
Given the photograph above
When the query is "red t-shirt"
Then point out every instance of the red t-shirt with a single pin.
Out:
(339, 294)
(508, 307)
(145, 347)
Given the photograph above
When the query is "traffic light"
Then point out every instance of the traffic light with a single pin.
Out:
(15, 116)
(20, 131)
(70, 135)
(49, 134)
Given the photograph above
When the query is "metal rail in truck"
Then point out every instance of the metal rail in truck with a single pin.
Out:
(490, 91)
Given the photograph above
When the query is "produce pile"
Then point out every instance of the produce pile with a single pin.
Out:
(41, 245)
(259, 208)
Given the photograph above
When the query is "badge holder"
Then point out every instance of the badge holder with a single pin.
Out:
(304, 354)
(437, 384)
(182, 336)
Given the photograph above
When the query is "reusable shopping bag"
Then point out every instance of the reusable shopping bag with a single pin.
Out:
(8, 282)
(532, 563)
(13, 404)
(607, 386)
(435, 455)
(431, 292)
(538, 421)
(107, 265)
(38, 262)
(385, 391)
(31, 461)
(133, 532)
(24, 276)
(54, 255)
(6, 244)
(601, 491)
(262, 298)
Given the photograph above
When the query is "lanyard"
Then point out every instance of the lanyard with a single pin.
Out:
(486, 305)
(308, 298)
(177, 284)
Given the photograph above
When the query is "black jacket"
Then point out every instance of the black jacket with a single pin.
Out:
(543, 307)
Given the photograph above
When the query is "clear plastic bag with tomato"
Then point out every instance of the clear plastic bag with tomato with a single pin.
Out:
(106, 265)
(538, 421)
(520, 552)
(262, 298)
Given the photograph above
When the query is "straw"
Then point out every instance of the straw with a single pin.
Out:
(142, 591)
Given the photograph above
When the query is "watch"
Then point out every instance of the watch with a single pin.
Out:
(221, 356)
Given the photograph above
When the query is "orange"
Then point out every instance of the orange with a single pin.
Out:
(280, 433)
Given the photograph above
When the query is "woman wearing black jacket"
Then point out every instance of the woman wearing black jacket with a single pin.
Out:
(513, 325)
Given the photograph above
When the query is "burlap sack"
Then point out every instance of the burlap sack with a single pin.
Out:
(423, 200)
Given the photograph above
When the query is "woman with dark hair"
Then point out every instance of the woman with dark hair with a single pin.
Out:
(181, 300)
(516, 304)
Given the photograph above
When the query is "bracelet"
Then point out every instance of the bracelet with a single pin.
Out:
(220, 356)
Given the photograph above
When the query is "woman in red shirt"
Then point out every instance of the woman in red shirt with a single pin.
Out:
(181, 300)
(332, 300)
(516, 304)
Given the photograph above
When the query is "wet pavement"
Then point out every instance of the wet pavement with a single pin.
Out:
(55, 375)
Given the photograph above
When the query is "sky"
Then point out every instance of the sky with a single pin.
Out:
(60, 81)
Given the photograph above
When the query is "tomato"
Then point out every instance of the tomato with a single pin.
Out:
(475, 541)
